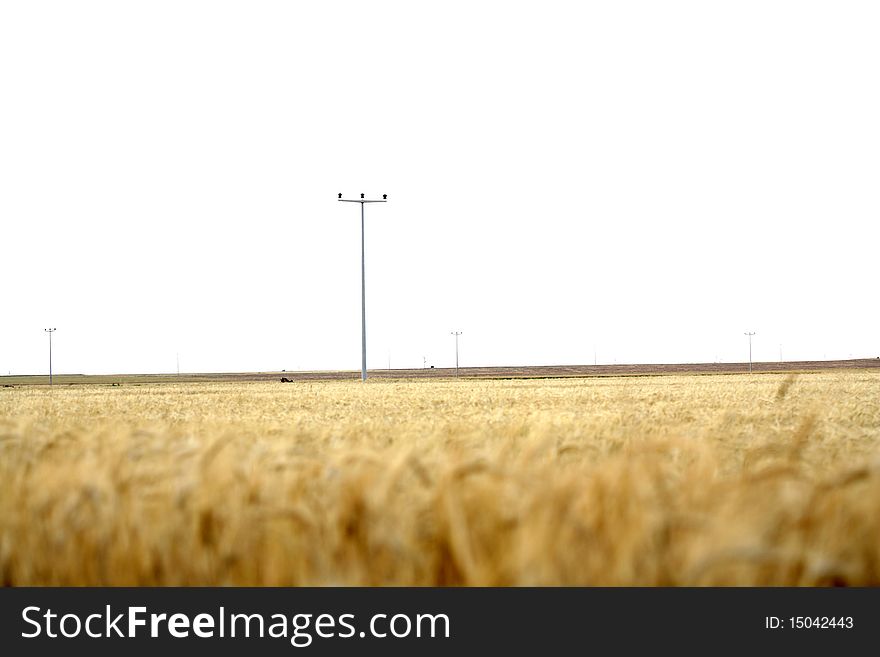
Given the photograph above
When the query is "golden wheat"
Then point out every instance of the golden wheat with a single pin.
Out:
(673, 480)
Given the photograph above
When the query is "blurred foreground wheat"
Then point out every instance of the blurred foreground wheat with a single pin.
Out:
(729, 480)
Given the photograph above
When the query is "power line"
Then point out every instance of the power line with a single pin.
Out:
(750, 349)
(50, 331)
(362, 200)
(456, 334)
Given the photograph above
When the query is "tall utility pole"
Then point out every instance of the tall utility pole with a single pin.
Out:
(456, 334)
(362, 200)
(50, 332)
(750, 349)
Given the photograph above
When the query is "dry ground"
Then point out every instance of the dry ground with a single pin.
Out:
(507, 372)
(668, 480)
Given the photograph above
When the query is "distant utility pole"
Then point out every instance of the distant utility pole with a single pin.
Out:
(178, 364)
(424, 362)
(780, 353)
(50, 331)
(362, 200)
(750, 349)
(456, 334)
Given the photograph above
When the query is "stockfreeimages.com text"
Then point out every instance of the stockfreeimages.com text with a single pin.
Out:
(300, 629)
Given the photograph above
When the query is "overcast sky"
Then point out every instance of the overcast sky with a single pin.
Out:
(643, 180)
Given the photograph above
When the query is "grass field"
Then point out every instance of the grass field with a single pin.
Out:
(765, 479)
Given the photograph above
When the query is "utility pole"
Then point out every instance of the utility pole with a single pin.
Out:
(50, 331)
(456, 334)
(750, 349)
(362, 200)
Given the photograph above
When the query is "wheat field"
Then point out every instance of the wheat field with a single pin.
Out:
(664, 480)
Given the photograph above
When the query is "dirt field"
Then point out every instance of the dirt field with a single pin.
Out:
(765, 479)
(541, 371)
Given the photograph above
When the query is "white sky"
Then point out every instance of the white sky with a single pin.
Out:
(649, 178)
